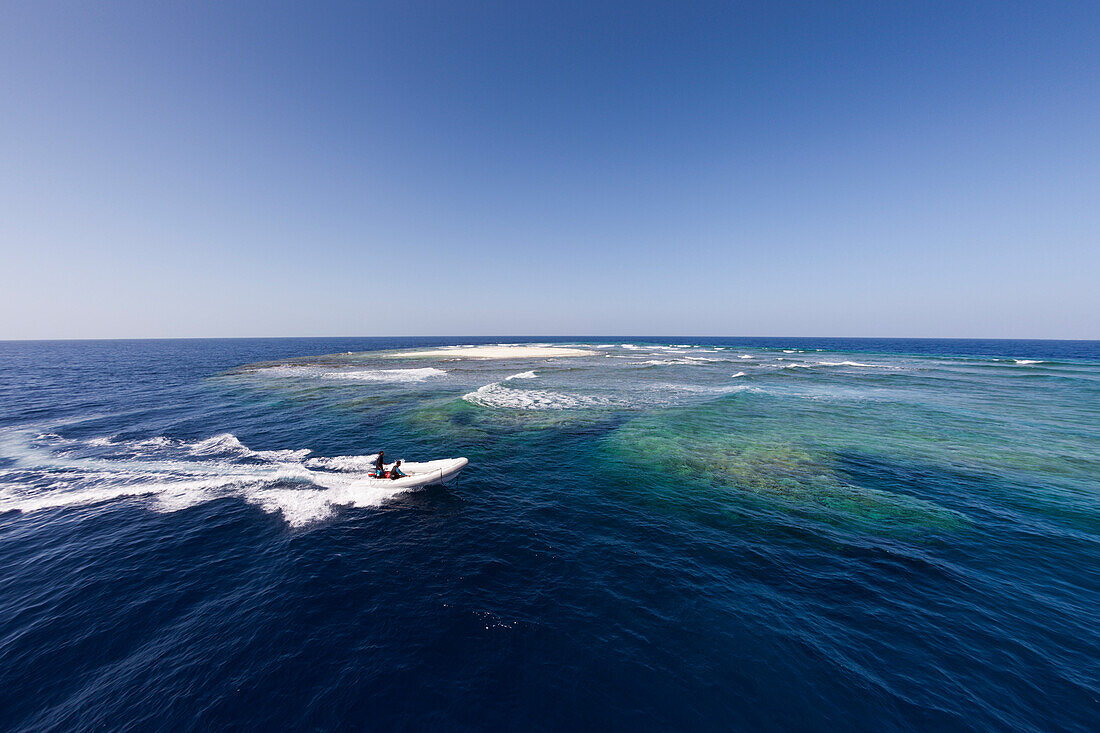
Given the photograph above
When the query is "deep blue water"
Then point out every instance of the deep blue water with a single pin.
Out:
(892, 535)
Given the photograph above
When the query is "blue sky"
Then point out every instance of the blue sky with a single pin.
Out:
(412, 168)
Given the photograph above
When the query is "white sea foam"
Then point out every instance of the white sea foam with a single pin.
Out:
(496, 395)
(855, 364)
(739, 374)
(227, 444)
(522, 375)
(354, 375)
(811, 365)
(514, 351)
(745, 356)
(135, 446)
(360, 464)
(171, 475)
(388, 375)
(1027, 361)
(704, 389)
(222, 443)
(688, 360)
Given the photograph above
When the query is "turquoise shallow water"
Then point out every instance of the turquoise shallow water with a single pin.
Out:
(655, 533)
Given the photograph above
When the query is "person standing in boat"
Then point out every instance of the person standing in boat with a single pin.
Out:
(379, 464)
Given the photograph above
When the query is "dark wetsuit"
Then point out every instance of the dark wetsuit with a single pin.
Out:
(379, 466)
(396, 472)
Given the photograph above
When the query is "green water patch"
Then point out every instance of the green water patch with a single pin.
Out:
(739, 457)
(447, 418)
(455, 418)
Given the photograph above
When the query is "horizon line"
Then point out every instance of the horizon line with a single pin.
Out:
(614, 337)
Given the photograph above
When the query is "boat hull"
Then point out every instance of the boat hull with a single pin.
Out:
(429, 473)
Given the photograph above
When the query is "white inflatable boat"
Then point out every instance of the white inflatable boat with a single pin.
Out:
(417, 474)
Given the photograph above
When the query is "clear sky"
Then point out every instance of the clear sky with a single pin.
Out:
(507, 168)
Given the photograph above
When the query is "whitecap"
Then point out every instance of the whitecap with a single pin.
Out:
(811, 365)
(496, 395)
(706, 389)
(354, 375)
(522, 375)
(854, 364)
(388, 375)
(519, 351)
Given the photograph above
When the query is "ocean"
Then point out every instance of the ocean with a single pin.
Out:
(652, 534)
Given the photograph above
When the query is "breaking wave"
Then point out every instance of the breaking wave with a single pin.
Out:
(854, 364)
(356, 375)
(811, 365)
(496, 395)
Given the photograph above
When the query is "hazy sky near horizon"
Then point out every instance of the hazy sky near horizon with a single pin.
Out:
(506, 168)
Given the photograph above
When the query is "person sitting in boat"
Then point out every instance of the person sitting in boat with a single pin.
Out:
(396, 471)
(379, 465)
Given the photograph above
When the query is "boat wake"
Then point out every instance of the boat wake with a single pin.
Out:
(47, 471)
